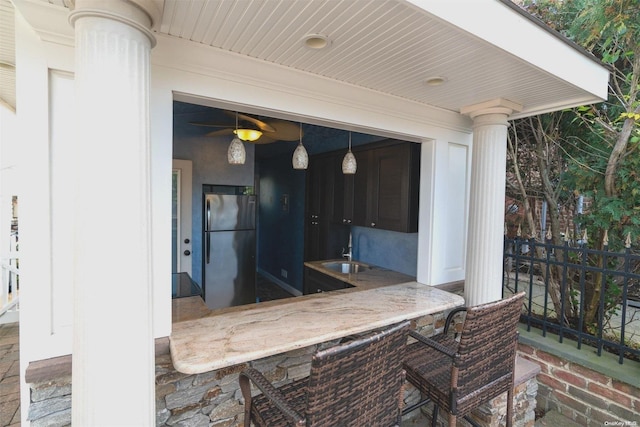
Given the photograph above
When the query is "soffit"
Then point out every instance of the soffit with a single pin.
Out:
(7, 55)
(388, 46)
(391, 47)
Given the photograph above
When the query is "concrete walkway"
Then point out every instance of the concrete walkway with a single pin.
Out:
(9, 375)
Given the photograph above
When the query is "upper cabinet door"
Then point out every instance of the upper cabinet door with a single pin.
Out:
(319, 211)
(386, 187)
(383, 193)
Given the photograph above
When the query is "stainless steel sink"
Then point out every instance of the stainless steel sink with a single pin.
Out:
(346, 267)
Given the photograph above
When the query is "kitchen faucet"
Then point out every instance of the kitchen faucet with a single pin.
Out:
(348, 255)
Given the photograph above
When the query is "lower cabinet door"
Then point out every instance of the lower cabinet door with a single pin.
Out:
(315, 282)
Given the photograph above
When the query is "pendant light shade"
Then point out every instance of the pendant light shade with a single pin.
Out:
(300, 158)
(236, 154)
(349, 164)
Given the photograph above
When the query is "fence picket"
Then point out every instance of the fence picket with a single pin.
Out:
(574, 268)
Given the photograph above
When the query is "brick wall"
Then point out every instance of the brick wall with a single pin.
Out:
(582, 394)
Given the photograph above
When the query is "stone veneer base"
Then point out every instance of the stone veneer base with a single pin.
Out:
(214, 399)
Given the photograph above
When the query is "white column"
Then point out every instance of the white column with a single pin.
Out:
(483, 273)
(113, 346)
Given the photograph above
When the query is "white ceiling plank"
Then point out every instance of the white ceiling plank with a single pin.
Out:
(392, 46)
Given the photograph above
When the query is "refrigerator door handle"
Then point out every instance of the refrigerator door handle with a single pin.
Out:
(208, 230)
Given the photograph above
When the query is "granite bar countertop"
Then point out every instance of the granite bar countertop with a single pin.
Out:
(241, 334)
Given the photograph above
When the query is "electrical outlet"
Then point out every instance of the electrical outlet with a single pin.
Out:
(283, 273)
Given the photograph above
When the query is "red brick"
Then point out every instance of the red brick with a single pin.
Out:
(551, 382)
(581, 419)
(602, 417)
(526, 349)
(587, 397)
(572, 403)
(610, 394)
(590, 374)
(554, 360)
(544, 367)
(570, 377)
(626, 388)
(626, 414)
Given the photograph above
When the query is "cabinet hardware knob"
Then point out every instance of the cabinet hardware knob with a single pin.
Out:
(187, 252)
(187, 241)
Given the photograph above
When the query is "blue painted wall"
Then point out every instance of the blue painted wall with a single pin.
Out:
(388, 249)
(210, 166)
(280, 221)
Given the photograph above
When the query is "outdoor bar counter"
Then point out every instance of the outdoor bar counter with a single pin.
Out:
(218, 339)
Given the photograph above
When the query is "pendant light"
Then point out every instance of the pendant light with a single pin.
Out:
(349, 164)
(300, 158)
(236, 154)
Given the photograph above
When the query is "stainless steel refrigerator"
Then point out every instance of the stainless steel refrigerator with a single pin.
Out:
(229, 242)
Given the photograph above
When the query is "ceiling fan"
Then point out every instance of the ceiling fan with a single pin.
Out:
(254, 130)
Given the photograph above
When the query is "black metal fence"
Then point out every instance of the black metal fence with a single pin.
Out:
(586, 295)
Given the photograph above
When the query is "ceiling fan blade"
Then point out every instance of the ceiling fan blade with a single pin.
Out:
(285, 131)
(264, 139)
(221, 132)
(211, 125)
(264, 127)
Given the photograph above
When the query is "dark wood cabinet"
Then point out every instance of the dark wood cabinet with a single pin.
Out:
(393, 175)
(385, 188)
(343, 194)
(319, 210)
(315, 282)
(382, 194)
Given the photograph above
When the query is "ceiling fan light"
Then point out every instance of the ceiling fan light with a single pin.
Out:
(248, 134)
(236, 155)
(300, 157)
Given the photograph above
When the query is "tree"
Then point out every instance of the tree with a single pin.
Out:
(597, 145)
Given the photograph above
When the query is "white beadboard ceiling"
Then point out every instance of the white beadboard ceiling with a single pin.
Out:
(390, 46)
(484, 49)
(7, 55)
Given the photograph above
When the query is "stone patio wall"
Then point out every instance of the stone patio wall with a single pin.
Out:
(213, 399)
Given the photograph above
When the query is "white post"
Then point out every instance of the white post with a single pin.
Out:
(483, 273)
(113, 348)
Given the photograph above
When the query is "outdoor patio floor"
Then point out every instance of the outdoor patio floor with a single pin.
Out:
(9, 375)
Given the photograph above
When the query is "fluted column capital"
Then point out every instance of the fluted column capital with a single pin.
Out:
(142, 15)
(491, 111)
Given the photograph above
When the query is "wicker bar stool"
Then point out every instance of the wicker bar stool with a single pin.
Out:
(358, 383)
(460, 375)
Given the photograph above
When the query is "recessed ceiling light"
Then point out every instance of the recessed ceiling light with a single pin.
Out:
(435, 81)
(316, 41)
